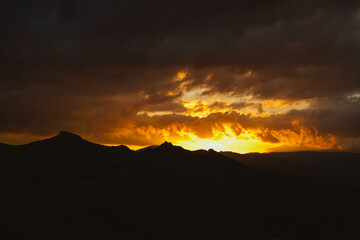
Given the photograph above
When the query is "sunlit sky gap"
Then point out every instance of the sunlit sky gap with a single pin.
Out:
(238, 76)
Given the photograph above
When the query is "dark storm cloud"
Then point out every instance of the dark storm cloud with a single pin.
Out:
(240, 105)
(167, 107)
(67, 63)
(338, 117)
(43, 113)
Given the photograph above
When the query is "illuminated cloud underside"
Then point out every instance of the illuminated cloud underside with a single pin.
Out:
(240, 126)
(236, 75)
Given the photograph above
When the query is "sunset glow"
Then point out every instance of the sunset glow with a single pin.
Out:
(227, 123)
(270, 81)
(180, 119)
(220, 122)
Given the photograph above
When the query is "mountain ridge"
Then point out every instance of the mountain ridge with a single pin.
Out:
(72, 187)
(70, 137)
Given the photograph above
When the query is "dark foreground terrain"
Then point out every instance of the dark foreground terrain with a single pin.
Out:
(67, 188)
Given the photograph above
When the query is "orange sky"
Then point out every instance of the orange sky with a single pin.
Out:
(221, 122)
(232, 76)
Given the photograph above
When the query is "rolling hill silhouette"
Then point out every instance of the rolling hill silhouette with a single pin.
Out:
(68, 188)
(325, 167)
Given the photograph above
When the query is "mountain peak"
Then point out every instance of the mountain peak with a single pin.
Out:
(65, 134)
(123, 147)
(166, 144)
(68, 137)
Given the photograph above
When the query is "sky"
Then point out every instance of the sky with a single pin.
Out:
(242, 76)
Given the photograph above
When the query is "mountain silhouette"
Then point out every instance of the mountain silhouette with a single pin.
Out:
(335, 167)
(70, 141)
(66, 187)
(68, 136)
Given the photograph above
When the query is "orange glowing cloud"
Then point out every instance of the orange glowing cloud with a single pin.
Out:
(187, 117)
(229, 131)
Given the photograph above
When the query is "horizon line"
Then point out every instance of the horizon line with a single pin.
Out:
(141, 147)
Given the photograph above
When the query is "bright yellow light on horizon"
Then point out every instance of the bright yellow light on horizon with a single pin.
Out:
(226, 141)
(233, 145)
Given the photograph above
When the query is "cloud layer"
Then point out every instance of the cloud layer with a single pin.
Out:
(98, 67)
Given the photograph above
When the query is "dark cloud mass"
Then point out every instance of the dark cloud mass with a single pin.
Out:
(92, 66)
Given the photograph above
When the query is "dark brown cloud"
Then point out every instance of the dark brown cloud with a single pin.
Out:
(91, 66)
